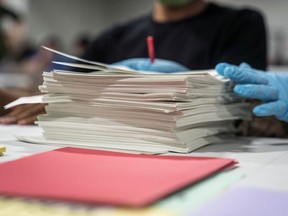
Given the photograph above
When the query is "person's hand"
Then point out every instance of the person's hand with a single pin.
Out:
(23, 114)
(270, 87)
(159, 65)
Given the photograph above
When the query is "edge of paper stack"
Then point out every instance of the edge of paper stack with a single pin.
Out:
(127, 110)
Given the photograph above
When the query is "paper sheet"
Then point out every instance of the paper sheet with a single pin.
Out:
(25, 100)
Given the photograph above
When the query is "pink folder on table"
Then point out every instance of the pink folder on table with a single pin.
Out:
(102, 177)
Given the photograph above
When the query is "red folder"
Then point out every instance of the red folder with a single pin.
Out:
(102, 177)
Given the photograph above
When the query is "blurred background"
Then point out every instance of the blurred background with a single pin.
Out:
(68, 25)
(69, 18)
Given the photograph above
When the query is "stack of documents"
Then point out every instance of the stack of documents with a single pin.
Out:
(113, 108)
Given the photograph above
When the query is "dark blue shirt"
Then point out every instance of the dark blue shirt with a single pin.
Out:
(219, 34)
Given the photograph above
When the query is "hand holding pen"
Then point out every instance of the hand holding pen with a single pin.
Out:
(151, 48)
(152, 64)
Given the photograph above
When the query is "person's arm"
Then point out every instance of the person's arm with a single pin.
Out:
(271, 88)
(5, 97)
(22, 114)
(159, 65)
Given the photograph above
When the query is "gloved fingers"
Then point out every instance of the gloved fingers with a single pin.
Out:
(131, 63)
(137, 64)
(245, 75)
(245, 65)
(166, 66)
(278, 108)
(261, 92)
(221, 67)
(145, 65)
(159, 65)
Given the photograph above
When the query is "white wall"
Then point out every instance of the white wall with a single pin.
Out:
(67, 18)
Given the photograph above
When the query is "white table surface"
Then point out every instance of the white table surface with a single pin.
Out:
(263, 162)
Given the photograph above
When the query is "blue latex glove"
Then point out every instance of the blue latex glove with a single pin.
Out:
(270, 87)
(159, 65)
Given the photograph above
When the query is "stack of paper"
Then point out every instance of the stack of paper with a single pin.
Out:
(139, 111)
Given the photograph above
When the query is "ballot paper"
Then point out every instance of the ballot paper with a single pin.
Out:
(25, 100)
(102, 177)
(139, 111)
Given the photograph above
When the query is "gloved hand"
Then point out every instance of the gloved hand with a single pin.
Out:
(270, 87)
(159, 65)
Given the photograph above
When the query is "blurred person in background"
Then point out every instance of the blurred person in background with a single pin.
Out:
(80, 44)
(191, 34)
(31, 62)
(194, 33)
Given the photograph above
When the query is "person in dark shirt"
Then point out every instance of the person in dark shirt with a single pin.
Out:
(193, 33)
(202, 35)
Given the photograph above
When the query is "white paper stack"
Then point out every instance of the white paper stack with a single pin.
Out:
(137, 111)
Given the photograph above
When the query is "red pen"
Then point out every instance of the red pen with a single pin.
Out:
(151, 50)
